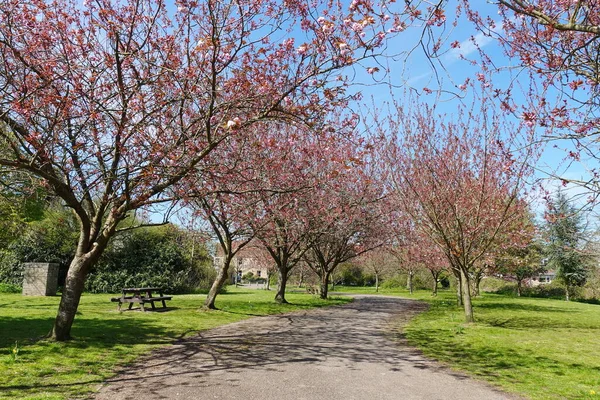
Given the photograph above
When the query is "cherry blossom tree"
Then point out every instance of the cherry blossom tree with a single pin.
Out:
(113, 102)
(283, 160)
(377, 261)
(558, 43)
(346, 218)
(460, 180)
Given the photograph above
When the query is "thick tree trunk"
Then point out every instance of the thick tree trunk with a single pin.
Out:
(268, 284)
(376, 282)
(71, 296)
(468, 307)
(409, 282)
(209, 303)
(567, 294)
(324, 286)
(282, 275)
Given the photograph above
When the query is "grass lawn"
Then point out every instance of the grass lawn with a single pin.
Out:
(105, 338)
(538, 348)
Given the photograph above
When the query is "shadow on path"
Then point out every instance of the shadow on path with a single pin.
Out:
(349, 340)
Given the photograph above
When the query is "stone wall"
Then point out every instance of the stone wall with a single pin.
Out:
(40, 279)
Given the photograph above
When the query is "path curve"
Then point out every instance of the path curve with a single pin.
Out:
(343, 352)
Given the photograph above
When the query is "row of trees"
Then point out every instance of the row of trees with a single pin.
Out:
(117, 106)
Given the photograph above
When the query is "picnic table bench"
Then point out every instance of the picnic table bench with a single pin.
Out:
(141, 296)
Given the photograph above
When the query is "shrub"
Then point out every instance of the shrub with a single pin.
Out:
(52, 239)
(149, 257)
(9, 288)
(553, 290)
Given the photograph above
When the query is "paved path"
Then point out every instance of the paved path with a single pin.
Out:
(326, 354)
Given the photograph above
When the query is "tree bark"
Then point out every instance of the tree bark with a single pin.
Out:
(324, 286)
(209, 303)
(301, 279)
(519, 288)
(459, 289)
(70, 298)
(567, 294)
(409, 282)
(468, 307)
(282, 275)
(435, 283)
(476, 286)
(376, 282)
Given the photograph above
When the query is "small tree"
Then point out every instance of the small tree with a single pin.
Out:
(564, 226)
(521, 263)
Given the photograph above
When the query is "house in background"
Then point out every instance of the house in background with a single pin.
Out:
(543, 279)
(246, 260)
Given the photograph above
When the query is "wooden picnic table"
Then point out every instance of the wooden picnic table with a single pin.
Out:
(141, 296)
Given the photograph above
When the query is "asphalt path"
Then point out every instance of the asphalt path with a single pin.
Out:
(347, 352)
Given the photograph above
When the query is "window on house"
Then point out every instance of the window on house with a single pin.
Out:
(258, 273)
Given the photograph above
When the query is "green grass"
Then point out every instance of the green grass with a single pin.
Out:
(537, 348)
(106, 339)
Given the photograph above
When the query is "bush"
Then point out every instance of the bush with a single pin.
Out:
(8, 288)
(149, 257)
(52, 239)
(553, 290)
(393, 282)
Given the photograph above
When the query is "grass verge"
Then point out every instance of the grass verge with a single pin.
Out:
(537, 348)
(31, 368)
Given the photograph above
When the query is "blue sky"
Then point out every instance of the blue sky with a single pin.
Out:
(416, 71)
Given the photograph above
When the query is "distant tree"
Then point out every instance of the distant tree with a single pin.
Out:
(378, 262)
(521, 263)
(565, 230)
(51, 238)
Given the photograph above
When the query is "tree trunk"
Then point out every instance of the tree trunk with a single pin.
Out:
(435, 283)
(519, 283)
(567, 294)
(301, 279)
(459, 289)
(376, 282)
(324, 284)
(70, 298)
(209, 303)
(268, 285)
(409, 282)
(476, 286)
(467, 298)
(282, 275)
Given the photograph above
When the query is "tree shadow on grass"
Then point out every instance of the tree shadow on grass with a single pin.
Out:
(102, 332)
(79, 364)
(483, 360)
(531, 316)
(514, 306)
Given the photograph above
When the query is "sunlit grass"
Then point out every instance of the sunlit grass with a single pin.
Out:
(105, 338)
(538, 348)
